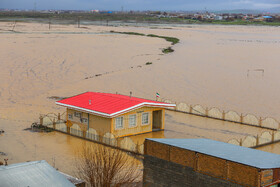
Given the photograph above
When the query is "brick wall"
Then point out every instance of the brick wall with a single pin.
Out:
(200, 165)
(182, 156)
(212, 166)
(162, 173)
(242, 174)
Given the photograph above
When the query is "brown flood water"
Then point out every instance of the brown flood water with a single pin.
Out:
(60, 149)
(209, 67)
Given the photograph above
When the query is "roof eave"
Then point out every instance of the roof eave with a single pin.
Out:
(163, 105)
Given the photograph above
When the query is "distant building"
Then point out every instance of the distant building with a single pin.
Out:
(207, 163)
(117, 114)
(95, 11)
(268, 18)
(36, 173)
(219, 18)
(264, 18)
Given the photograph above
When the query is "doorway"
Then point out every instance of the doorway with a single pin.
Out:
(157, 119)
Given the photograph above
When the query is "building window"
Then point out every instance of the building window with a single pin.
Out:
(77, 114)
(145, 118)
(132, 120)
(84, 120)
(119, 122)
(70, 116)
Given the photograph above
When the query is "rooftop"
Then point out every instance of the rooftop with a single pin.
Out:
(234, 153)
(37, 173)
(107, 104)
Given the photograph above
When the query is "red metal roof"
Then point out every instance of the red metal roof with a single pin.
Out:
(107, 104)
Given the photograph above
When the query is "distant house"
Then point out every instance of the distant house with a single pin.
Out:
(268, 18)
(117, 114)
(218, 18)
(36, 173)
(264, 18)
(204, 162)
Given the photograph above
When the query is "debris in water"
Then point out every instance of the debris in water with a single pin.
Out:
(57, 97)
(3, 154)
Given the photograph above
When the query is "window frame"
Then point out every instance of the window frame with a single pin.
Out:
(148, 122)
(78, 114)
(135, 120)
(122, 121)
(70, 116)
(84, 120)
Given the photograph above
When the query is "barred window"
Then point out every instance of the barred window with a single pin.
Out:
(119, 122)
(145, 118)
(132, 120)
(84, 120)
(70, 116)
(77, 114)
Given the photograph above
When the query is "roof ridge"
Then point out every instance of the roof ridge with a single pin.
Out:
(21, 164)
(115, 96)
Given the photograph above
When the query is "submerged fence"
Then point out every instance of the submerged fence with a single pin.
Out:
(56, 122)
(126, 144)
(231, 116)
(256, 141)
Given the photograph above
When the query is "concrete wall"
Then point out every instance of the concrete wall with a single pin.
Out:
(233, 116)
(80, 130)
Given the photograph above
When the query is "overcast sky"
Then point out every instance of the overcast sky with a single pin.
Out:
(141, 4)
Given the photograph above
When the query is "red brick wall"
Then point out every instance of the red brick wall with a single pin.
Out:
(266, 177)
(156, 149)
(212, 166)
(205, 164)
(182, 156)
(243, 174)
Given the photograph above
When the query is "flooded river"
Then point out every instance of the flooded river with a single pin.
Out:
(212, 65)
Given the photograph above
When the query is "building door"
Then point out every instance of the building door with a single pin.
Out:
(157, 119)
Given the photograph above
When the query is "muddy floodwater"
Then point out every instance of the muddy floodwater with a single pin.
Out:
(60, 150)
(228, 67)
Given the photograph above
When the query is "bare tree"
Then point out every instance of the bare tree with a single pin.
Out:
(102, 166)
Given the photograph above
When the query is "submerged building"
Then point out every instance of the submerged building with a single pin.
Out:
(117, 114)
(209, 163)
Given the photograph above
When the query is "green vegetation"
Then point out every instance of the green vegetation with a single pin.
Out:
(130, 33)
(169, 39)
(149, 63)
(167, 50)
(73, 17)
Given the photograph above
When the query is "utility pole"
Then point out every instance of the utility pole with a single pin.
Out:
(78, 22)
(49, 23)
(53, 159)
(35, 151)
(14, 25)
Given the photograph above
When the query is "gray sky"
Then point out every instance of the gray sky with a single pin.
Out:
(141, 4)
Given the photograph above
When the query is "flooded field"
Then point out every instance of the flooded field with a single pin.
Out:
(60, 149)
(212, 66)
